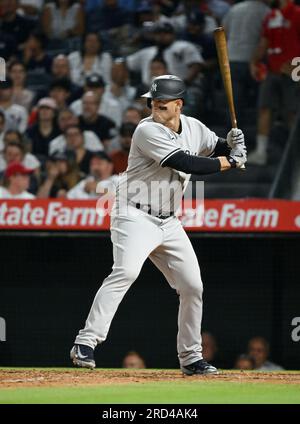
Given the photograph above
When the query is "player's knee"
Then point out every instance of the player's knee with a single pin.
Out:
(130, 274)
(192, 288)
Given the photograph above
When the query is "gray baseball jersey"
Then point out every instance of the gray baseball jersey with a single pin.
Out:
(152, 144)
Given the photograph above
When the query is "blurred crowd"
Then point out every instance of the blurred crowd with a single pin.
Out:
(256, 357)
(75, 70)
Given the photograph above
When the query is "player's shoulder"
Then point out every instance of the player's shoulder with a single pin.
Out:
(149, 127)
(192, 122)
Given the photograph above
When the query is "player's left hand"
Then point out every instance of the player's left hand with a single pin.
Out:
(235, 137)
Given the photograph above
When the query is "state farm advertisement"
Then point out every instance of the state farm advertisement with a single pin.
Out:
(213, 216)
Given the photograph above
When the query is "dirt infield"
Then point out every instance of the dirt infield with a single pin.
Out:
(61, 378)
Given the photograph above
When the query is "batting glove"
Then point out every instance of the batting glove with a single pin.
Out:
(235, 137)
(238, 156)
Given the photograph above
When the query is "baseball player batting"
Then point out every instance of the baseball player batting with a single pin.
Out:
(167, 147)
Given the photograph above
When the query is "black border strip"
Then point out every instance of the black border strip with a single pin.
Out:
(100, 413)
(106, 233)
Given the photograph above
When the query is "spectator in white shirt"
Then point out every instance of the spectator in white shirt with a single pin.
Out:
(62, 19)
(182, 57)
(101, 169)
(21, 95)
(157, 67)
(16, 116)
(249, 14)
(14, 152)
(259, 351)
(66, 119)
(17, 180)
(119, 90)
(31, 7)
(2, 132)
(109, 106)
(91, 60)
(218, 8)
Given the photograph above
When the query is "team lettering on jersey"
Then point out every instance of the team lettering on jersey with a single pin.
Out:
(188, 152)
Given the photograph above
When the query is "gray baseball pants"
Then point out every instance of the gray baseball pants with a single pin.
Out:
(135, 237)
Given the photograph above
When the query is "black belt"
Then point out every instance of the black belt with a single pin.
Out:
(149, 211)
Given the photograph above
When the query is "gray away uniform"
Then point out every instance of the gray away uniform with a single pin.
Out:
(136, 234)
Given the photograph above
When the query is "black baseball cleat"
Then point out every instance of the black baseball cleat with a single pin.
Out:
(83, 356)
(199, 367)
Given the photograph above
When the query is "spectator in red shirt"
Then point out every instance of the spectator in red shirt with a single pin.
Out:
(280, 43)
(120, 157)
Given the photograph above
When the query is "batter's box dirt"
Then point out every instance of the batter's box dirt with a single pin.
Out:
(76, 377)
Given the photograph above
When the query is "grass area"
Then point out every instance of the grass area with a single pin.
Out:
(193, 391)
(162, 392)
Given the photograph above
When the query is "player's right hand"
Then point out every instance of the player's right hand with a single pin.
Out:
(235, 137)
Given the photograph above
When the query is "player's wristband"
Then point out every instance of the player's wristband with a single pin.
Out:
(231, 161)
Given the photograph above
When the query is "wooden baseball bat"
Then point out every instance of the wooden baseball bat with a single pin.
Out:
(221, 44)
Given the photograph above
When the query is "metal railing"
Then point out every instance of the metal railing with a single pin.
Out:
(287, 173)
